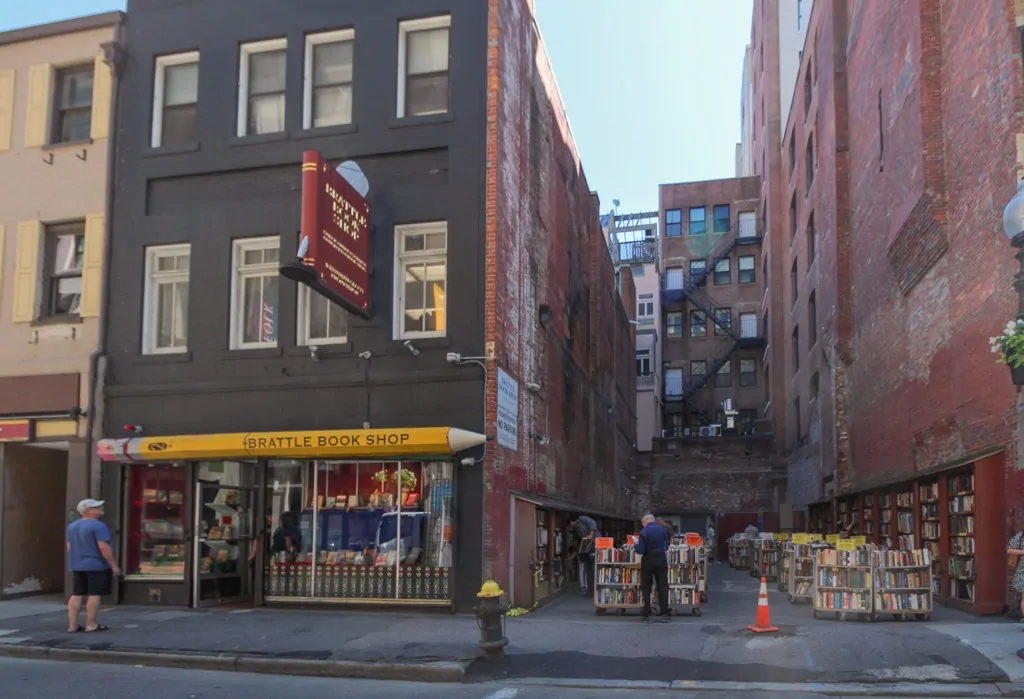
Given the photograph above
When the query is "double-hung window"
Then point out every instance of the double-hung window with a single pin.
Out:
(72, 112)
(721, 214)
(254, 293)
(643, 362)
(64, 255)
(723, 272)
(698, 269)
(698, 324)
(423, 64)
(175, 96)
(327, 84)
(673, 223)
(723, 377)
(746, 273)
(421, 280)
(261, 83)
(748, 372)
(165, 315)
(674, 324)
(321, 322)
(645, 309)
(698, 222)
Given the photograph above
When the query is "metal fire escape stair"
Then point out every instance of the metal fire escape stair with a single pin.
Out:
(717, 257)
(719, 356)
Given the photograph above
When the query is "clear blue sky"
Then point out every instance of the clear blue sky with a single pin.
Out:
(652, 87)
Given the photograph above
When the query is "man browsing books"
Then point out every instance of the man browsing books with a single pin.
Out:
(652, 544)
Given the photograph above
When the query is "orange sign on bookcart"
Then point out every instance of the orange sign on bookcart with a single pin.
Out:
(694, 540)
(604, 542)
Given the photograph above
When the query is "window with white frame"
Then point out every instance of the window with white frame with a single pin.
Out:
(423, 62)
(645, 309)
(421, 280)
(261, 82)
(321, 322)
(674, 278)
(165, 315)
(175, 96)
(327, 84)
(254, 293)
(643, 362)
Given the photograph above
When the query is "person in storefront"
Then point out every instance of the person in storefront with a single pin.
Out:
(287, 537)
(711, 541)
(652, 544)
(751, 530)
(92, 565)
(1016, 548)
(586, 529)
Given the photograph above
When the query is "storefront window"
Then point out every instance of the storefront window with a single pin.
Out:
(224, 529)
(157, 510)
(374, 530)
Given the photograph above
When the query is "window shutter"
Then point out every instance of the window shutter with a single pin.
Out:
(26, 270)
(37, 116)
(92, 270)
(102, 89)
(6, 108)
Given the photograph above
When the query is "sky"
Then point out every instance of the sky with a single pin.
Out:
(651, 87)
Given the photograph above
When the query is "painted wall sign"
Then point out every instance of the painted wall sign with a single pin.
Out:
(326, 444)
(508, 411)
(15, 430)
(334, 240)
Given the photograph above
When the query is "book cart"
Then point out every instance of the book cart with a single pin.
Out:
(903, 583)
(786, 562)
(740, 546)
(800, 573)
(617, 579)
(843, 582)
(766, 556)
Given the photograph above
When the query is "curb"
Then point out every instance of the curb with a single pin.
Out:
(434, 672)
(845, 689)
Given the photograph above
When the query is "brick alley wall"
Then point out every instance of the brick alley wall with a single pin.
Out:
(554, 315)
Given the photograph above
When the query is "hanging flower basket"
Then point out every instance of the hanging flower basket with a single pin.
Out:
(1010, 349)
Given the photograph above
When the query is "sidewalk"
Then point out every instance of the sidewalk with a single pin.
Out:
(563, 641)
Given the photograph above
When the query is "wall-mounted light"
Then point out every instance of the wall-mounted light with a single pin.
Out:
(412, 348)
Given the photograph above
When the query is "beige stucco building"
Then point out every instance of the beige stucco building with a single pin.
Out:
(56, 100)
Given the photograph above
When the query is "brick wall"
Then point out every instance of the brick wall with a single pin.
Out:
(555, 317)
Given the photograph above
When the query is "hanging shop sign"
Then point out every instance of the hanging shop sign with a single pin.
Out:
(15, 430)
(320, 444)
(694, 540)
(334, 251)
(508, 411)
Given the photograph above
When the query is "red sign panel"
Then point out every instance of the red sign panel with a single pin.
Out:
(335, 236)
(604, 542)
(15, 430)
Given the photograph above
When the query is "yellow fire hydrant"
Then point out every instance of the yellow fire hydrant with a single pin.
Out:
(490, 617)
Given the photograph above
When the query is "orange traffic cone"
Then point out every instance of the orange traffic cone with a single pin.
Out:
(764, 619)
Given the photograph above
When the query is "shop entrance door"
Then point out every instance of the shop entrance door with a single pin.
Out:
(224, 505)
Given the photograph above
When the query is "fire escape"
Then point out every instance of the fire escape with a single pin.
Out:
(718, 320)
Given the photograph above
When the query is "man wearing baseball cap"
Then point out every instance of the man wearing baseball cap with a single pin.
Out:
(92, 565)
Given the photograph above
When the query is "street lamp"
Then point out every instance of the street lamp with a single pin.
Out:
(1013, 227)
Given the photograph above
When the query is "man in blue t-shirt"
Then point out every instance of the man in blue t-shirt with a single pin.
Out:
(653, 546)
(92, 565)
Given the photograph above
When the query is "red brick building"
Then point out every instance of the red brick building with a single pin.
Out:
(898, 156)
(554, 318)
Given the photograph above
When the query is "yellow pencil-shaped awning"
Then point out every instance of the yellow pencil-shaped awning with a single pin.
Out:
(319, 444)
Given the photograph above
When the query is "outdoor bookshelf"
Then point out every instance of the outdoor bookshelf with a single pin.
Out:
(884, 517)
(800, 578)
(905, 520)
(740, 548)
(843, 583)
(617, 580)
(962, 549)
(766, 553)
(930, 508)
(685, 577)
(868, 525)
(903, 583)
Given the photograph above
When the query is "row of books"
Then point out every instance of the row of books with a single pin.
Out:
(902, 601)
(618, 576)
(928, 492)
(678, 596)
(904, 500)
(930, 510)
(902, 579)
(962, 590)
(829, 557)
(683, 576)
(801, 588)
(960, 484)
(845, 601)
(961, 567)
(838, 577)
(625, 554)
(962, 546)
(619, 595)
(689, 555)
(961, 503)
(961, 524)
(906, 521)
(903, 558)
(929, 530)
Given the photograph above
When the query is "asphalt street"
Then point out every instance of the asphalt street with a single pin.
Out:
(31, 679)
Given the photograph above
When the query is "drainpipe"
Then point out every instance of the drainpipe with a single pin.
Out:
(114, 57)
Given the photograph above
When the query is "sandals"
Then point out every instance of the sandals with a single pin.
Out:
(79, 629)
(99, 627)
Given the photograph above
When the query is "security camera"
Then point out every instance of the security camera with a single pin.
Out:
(365, 354)
(468, 461)
(532, 387)
(453, 357)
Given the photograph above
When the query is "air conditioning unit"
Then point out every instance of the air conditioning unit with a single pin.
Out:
(711, 431)
(686, 431)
